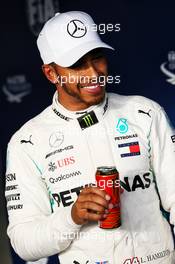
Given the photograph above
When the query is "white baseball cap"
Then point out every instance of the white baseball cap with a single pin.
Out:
(68, 36)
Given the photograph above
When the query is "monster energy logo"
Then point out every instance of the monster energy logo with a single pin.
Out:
(87, 120)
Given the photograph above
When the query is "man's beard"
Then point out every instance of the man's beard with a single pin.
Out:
(82, 99)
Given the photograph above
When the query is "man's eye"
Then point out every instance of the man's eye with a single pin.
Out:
(99, 56)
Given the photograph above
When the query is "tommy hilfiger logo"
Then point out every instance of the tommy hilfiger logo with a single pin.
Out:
(132, 149)
(87, 120)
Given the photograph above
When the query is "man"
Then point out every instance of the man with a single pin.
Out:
(53, 204)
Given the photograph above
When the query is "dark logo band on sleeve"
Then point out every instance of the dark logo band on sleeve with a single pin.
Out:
(105, 106)
(87, 120)
(173, 138)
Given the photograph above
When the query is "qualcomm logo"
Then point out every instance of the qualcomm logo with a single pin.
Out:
(168, 67)
(122, 126)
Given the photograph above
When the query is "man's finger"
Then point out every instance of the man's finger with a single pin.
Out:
(96, 190)
(94, 198)
(93, 206)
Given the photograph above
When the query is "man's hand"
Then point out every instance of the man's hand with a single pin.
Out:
(91, 205)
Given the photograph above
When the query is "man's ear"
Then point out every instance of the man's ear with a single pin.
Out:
(50, 73)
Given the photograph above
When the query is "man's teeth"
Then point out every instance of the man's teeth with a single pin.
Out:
(91, 87)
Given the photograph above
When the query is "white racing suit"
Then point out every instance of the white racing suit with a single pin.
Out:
(54, 155)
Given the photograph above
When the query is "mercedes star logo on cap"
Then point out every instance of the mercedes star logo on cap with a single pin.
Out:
(76, 28)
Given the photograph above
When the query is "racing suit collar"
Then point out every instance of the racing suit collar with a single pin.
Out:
(67, 115)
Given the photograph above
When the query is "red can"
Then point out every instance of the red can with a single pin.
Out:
(108, 179)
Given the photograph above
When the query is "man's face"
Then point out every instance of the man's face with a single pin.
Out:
(82, 84)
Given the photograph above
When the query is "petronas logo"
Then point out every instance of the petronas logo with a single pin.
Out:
(122, 126)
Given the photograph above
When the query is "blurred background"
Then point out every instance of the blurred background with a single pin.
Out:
(144, 58)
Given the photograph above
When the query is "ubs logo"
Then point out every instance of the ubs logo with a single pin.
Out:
(76, 28)
(61, 163)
